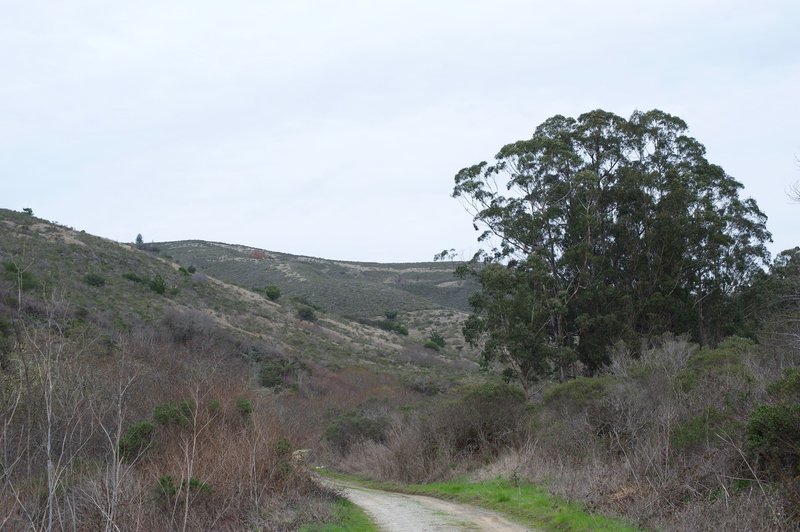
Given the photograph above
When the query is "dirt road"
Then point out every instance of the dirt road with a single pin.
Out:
(416, 513)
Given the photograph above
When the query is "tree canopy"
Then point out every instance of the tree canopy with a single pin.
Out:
(599, 230)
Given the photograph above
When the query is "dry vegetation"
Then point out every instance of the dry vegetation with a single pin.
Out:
(665, 440)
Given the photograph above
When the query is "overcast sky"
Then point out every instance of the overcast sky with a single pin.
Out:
(334, 128)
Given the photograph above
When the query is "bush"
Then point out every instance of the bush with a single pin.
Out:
(135, 440)
(272, 292)
(348, 428)
(157, 284)
(390, 314)
(702, 430)
(94, 279)
(575, 395)
(25, 278)
(134, 277)
(306, 313)
(276, 372)
(773, 430)
(244, 406)
(432, 345)
(191, 269)
(174, 413)
(437, 339)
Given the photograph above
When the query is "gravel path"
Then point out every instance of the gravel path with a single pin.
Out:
(417, 513)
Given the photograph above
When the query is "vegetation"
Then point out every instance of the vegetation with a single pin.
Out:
(605, 230)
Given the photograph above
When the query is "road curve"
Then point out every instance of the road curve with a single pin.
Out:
(398, 512)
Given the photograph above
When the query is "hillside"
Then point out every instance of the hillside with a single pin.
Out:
(115, 288)
(359, 289)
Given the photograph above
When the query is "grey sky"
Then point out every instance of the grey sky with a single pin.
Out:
(334, 129)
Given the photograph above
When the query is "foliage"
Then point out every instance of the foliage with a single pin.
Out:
(135, 440)
(773, 431)
(244, 406)
(23, 277)
(278, 371)
(306, 313)
(28, 211)
(131, 276)
(603, 229)
(174, 413)
(94, 279)
(272, 292)
(139, 241)
(390, 314)
(158, 284)
(345, 429)
(387, 325)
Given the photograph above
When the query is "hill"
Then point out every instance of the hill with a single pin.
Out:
(115, 287)
(358, 289)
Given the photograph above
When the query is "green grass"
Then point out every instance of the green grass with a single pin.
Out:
(347, 517)
(523, 502)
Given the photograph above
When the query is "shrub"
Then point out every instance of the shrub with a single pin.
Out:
(191, 268)
(135, 440)
(276, 372)
(183, 271)
(350, 427)
(773, 430)
(575, 395)
(724, 360)
(306, 313)
(702, 430)
(134, 277)
(174, 413)
(272, 292)
(157, 284)
(94, 279)
(390, 314)
(166, 489)
(25, 278)
(244, 406)
(436, 338)
(432, 345)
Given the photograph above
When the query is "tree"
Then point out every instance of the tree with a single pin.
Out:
(604, 229)
(139, 241)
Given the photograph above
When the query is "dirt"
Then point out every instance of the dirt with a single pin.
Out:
(415, 513)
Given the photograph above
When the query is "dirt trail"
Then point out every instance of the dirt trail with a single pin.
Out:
(416, 513)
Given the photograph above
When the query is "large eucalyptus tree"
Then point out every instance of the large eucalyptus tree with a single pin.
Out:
(601, 229)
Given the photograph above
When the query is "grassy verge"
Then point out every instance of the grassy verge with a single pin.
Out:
(347, 518)
(525, 503)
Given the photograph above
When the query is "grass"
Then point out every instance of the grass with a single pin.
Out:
(347, 518)
(523, 502)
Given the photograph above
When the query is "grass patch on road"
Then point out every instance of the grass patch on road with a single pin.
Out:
(523, 502)
(347, 518)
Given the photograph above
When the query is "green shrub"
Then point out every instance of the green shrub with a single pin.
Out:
(348, 428)
(773, 430)
(191, 268)
(276, 372)
(166, 489)
(306, 313)
(577, 394)
(135, 440)
(134, 277)
(702, 430)
(157, 284)
(390, 314)
(437, 339)
(174, 413)
(183, 271)
(432, 345)
(272, 292)
(94, 279)
(244, 406)
(724, 360)
(25, 278)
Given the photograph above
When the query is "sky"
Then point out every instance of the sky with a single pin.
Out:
(334, 128)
